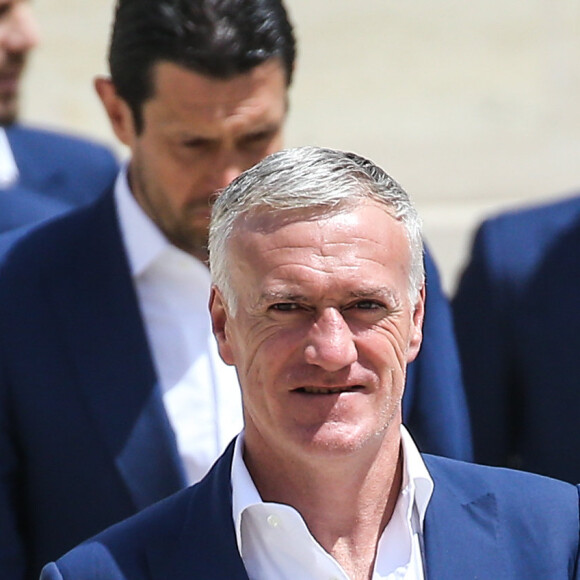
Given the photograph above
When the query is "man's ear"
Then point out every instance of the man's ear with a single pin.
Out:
(117, 110)
(219, 320)
(416, 330)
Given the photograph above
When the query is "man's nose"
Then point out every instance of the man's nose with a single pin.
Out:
(330, 342)
(19, 33)
(227, 166)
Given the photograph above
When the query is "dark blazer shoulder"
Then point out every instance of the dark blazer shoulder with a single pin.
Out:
(460, 476)
(520, 497)
(71, 168)
(547, 216)
(511, 244)
(44, 246)
(490, 522)
(26, 140)
(79, 245)
(188, 535)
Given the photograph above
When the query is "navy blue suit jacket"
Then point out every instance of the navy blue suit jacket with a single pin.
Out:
(517, 319)
(57, 173)
(482, 522)
(84, 437)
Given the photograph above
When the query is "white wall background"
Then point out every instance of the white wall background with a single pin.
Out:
(472, 106)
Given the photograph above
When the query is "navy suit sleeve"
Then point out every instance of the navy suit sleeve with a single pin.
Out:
(434, 406)
(481, 326)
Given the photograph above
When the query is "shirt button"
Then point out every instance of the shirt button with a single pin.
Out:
(273, 521)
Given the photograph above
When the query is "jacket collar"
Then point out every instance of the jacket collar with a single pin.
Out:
(461, 527)
(209, 527)
(456, 521)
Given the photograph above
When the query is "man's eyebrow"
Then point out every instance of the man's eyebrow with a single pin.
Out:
(257, 133)
(382, 292)
(268, 127)
(192, 137)
(272, 296)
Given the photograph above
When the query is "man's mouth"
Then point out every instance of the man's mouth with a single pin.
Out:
(328, 390)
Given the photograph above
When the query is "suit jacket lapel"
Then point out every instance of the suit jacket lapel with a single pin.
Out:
(102, 324)
(461, 530)
(208, 529)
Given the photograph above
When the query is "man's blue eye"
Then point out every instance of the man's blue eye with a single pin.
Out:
(284, 306)
(367, 305)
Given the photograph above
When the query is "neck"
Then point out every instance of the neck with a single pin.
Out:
(346, 502)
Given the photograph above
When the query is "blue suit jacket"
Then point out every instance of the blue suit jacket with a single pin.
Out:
(434, 404)
(482, 522)
(517, 318)
(84, 437)
(57, 173)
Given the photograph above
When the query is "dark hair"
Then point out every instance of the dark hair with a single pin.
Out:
(216, 38)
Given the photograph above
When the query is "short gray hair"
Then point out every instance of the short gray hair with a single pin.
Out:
(315, 178)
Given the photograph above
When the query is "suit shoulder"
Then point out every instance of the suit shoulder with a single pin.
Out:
(157, 522)
(187, 534)
(536, 222)
(73, 169)
(510, 245)
(516, 488)
(41, 248)
(53, 142)
(516, 524)
(128, 545)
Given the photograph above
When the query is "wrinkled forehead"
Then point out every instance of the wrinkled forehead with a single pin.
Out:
(359, 234)
(321, 259)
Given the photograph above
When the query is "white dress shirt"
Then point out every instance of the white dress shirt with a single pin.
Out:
(274, 541)
(8, 169)
(200, 392)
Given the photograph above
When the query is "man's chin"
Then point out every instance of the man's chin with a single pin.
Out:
(337, 440)
(198, 219)
(193, 243)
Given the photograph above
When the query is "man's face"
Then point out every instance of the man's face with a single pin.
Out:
(198, 134)
(18, 34)
(322, 332)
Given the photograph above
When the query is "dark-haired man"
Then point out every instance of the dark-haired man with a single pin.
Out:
(112, 394)
(40, 171)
